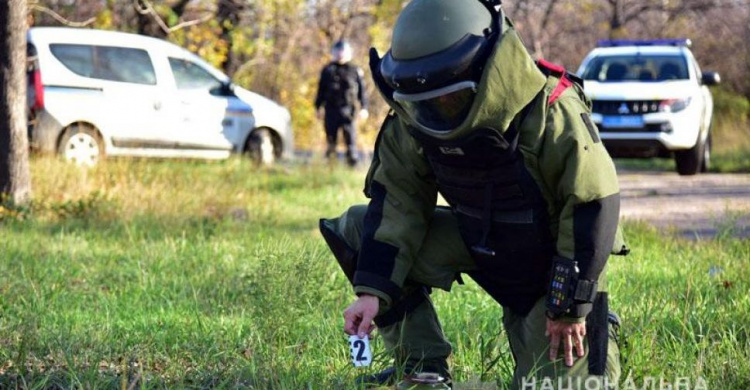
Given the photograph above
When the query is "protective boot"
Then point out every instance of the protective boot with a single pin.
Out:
(426, 374)
(344, 254)
(425, 381)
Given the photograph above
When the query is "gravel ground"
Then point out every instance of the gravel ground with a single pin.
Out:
(698, 207)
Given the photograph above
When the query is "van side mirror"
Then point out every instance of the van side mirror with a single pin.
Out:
(710, 78)
(225, 89)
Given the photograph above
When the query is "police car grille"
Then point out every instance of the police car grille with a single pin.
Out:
(649, 128)
(618, 107)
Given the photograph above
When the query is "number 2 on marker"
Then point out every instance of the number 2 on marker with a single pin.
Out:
(359, 345)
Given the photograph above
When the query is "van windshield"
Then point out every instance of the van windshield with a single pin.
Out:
(189, 75)
(641, 68)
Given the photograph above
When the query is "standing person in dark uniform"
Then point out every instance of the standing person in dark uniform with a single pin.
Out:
(533, 202)
(340, 87)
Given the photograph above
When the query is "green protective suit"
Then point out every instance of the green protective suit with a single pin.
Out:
(403, 241)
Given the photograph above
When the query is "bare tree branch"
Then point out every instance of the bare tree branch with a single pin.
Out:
(144, 7)
(548, 14)
(352, 17)
(59, 18)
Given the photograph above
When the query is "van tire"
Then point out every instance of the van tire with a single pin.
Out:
(262, 147)
(706, 163)
(690, 162)
(81, 144)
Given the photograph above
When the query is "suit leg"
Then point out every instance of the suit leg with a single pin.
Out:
(410, 327)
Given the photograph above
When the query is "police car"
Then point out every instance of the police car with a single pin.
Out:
(650, 99)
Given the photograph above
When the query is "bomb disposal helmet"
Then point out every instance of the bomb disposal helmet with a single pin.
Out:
(438, 52)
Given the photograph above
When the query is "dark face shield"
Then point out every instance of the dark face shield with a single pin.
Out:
(440, 110)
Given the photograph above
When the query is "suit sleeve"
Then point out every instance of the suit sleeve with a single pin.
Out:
(582, 178)
(403, 195)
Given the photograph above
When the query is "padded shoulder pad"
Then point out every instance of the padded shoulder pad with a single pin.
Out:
(572, 77)
(558, 71)
(565, 80)
(550, 69)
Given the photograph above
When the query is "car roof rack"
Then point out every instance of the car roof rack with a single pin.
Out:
(648, 42)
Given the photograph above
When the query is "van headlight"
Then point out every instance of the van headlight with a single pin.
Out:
(674, 105)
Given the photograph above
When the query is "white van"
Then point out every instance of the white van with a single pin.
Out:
(95, 93)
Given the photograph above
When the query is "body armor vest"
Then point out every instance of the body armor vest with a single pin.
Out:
(501, 213)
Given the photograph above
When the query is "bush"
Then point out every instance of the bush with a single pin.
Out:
(731, 106)
(731, 137)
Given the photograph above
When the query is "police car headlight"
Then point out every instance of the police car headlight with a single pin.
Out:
(674, 105)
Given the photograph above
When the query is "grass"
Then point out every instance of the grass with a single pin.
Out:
(161, 274)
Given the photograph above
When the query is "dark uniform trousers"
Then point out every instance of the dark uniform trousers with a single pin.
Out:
(341, 118)
(419, 336)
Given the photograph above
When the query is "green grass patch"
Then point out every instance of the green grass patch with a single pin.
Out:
(143, 274)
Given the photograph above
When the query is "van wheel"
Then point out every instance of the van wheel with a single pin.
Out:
(261, 147)
(706, 163)
(81, 144)
(690, 162)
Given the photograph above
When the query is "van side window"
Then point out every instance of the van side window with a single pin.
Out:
(107, 63)
(78, 58)
(188, 75)
(124, 64)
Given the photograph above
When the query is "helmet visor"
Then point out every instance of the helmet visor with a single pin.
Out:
(443, 109)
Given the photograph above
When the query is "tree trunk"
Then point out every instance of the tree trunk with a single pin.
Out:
(615, 23)
(15, 181)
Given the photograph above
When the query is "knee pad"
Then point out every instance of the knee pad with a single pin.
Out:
(344, 254)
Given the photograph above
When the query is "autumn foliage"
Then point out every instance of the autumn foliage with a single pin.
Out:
(277, 47)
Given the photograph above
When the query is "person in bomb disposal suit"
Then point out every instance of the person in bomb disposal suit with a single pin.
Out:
(339, 89)
(533, 201)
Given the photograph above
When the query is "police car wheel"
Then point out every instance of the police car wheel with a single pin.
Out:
(689, 162)
(82, 145)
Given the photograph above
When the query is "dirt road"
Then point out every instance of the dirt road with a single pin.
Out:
(697, 206)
